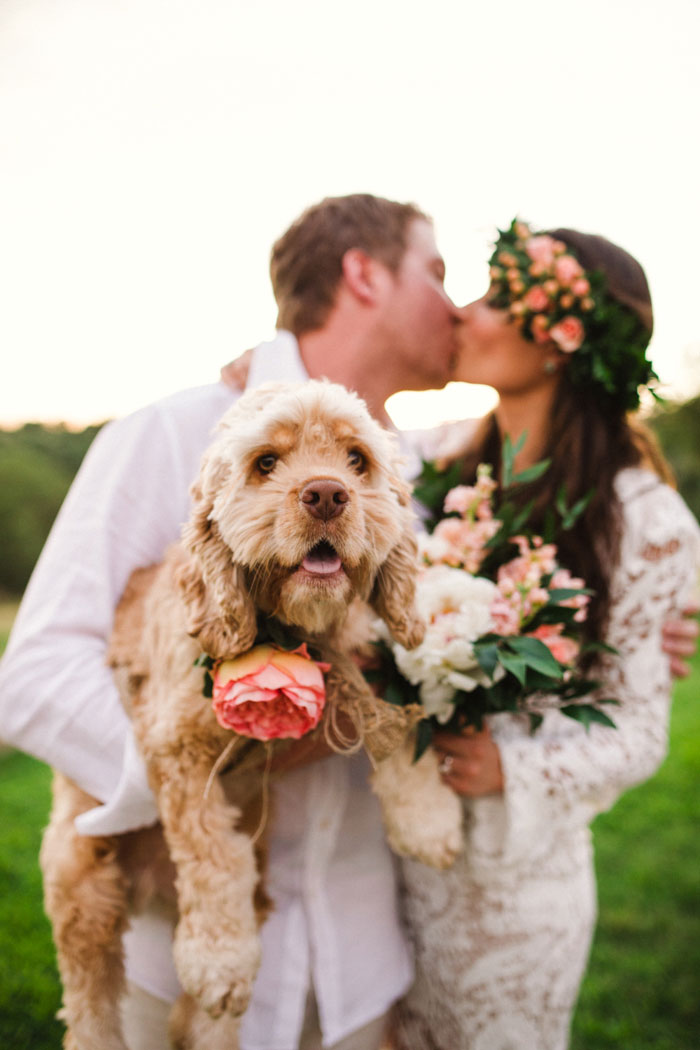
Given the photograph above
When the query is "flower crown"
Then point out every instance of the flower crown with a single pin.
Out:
(538, 279)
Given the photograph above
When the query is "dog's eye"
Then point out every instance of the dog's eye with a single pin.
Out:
(266, 463)
(356, 460)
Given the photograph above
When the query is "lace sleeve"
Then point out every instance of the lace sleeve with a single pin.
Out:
(562, 776)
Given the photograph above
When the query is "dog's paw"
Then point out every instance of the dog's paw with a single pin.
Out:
(436, 839)
(218, 973)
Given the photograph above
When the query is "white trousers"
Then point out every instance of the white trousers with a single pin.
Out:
(145, 1022)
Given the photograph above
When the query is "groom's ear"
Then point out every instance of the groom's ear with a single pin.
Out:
(362, 275)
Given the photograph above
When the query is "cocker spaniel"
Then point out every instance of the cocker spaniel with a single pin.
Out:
(299, 514)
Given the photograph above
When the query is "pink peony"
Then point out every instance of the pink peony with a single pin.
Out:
(536, 299)
(563, 649)
(541, 249)
(567, 269)
(568, 334)
(268, 693)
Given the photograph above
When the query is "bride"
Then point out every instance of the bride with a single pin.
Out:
(502, 939)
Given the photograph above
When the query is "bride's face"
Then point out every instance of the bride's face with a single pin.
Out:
(491, 350)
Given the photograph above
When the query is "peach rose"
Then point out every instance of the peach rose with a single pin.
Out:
(568, 334)
(541, 249)
(567, 269)
(581, 286)
(563, 649)
(268, 693)
(536, 299)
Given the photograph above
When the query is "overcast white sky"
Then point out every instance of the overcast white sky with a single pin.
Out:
(152, 150)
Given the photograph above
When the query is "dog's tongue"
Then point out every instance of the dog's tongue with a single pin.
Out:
(322, 559)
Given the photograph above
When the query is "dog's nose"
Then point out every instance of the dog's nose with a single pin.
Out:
(324, 499)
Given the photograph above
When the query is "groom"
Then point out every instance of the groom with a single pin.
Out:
(359, 286)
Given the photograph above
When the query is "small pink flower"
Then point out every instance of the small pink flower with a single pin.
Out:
(536, 299)
(563, 649)
(566, 301)
(460, 499)
(540, 329)
(541, 249)
(567, 269)
(568, 334)
(269, 694)
(580, 286)
(505, 616)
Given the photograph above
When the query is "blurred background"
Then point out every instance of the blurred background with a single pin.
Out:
(150, 153)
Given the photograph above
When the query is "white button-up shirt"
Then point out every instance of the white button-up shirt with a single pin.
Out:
(331, 877)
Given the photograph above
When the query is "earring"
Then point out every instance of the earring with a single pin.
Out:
(549, 368)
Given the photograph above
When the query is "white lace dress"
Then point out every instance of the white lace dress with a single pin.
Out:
(502, 939)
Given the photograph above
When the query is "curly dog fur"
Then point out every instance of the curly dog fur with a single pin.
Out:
(299, 512)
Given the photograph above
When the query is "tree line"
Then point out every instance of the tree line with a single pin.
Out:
(38, 463)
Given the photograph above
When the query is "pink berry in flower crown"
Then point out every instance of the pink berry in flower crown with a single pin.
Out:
(541, 249)
(536, 299)
(567, 269)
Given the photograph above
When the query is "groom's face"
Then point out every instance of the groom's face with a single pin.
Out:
(420, 317)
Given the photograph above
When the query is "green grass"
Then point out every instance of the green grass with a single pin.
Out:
(641, 992)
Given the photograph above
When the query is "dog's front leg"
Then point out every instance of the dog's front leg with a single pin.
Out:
(422, 815)
(216, 948)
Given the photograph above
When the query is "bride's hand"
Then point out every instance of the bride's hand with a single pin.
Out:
(470, 763)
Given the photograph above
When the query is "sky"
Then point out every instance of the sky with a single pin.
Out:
(152, 150)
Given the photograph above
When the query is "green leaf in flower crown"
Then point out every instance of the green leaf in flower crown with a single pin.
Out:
(536, 655)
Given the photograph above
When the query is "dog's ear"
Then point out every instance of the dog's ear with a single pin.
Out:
(394, 592)
(219, 610)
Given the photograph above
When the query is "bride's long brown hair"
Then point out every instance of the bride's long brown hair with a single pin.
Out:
(588, 442)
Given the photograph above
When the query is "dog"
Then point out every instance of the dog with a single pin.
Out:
(299, 515)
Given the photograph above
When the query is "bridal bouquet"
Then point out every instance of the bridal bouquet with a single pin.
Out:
(503, 617)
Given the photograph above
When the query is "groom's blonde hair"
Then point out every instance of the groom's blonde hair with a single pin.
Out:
(306, 262)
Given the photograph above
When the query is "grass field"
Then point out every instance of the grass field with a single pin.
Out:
(642, 991)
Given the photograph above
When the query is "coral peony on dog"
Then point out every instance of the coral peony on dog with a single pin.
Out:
(299, 513)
